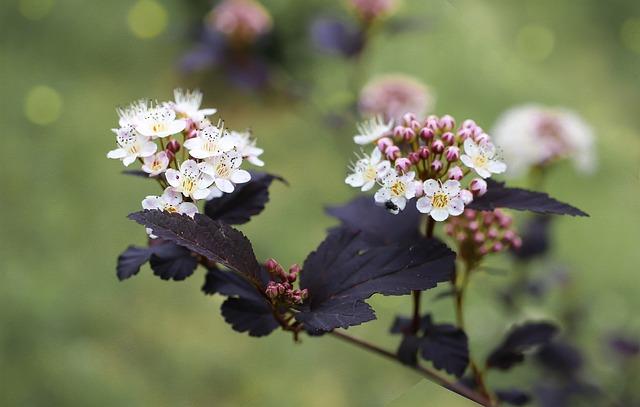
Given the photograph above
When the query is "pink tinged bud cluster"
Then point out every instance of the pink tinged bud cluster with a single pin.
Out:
(479, 233)
(242, 21)
(370, 10)
(176, 143)
(280, 289)
(444, 167)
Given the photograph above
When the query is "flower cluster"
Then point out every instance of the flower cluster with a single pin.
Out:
(280, 288)
(429, 160)
(370, 10)
(533, 135)
(241, 20)
(175, 143)
(480, 233)
(392, 95)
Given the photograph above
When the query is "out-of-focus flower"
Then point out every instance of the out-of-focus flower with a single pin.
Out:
(481, 158)
(155, 164)
(187, 103)
(391, 96)
(396, 190)
(210, 141)
(441, 200)
(225, 171)
(131, 146)
(368, 170)
(246, 146)
(370, 10)
(133, 113)
(170, 201)
(534, 135)
(190, 181)
(159, 122)
(240, 20)
(372, 130)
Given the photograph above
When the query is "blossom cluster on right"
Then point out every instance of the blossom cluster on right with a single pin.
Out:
(439, 164)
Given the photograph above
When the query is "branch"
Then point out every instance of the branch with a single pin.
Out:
(424, 371)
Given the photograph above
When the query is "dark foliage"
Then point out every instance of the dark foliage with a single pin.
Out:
(130, 261)
(500, 196)
(172, 262)
(560, 357)
(345, 270)
(387, 228)
(408, 350)
(536, 236)
(245, 201)
(212, 239)
(514, 397)
(519, 340)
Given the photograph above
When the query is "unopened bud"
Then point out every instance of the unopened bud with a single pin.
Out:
(470, 214)
(452, 154)
(474, 226)
(488, 218)
(455, 173)
(293, 273)
(415, 126)
(436, 165)
(461, 236)
(464, 134)
(482, 138)
(516, 243)
(271, 290)
(432, 123)
(393, 152)
(478, 186)
(437, 146)
(191, 134)
(403, 164)
(414, 157)
(497, 247)
(478, 237)
(170, 154)
(384, 143)
(271, 264)
(509, 235)
(424, 152)
(468, 124)
(447, 123)
(448, 138)
(398, 131)
(426, 134)
(407, 118)
(173, 146)
(492, 233)
(408, 134)
(483, 251)
(466, 196)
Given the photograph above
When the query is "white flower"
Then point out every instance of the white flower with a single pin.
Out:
(246, 146)
(367, 170)
(395, 191)
(190, 180)
(481, 158)
(210, 141)
(170, 201)
(187, 105)
(132, 145)
(225, 171)
(132, 114)
(533, 135)
(371, 130)
(155, 164)
(441, 200)
(159, 121)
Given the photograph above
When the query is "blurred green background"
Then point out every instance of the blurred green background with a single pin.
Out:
(72, 335)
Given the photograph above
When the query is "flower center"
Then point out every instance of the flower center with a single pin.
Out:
(170, 209)
(440, 200)
(480, 160)
(223, 170)
(188, 184)
(133, 149)
(370, 173)
(158, 127)
(398, 188)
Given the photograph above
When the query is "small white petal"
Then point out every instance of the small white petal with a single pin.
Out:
(187, 208)
(439, 214)
(424, 205)
(382, 195)
(240, 177)
(451, 187)
(117, 154)
(471, 148)
(224, 185)
(456, 206)
(200, 194)
(430, 187)
(466, 160)
(496, 167)
(173, 177)
(127, 161)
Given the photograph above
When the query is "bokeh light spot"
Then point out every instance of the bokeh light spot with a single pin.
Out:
(147, 19)
(35, 9)
(535, 43)
(630, 34)
(43, 105)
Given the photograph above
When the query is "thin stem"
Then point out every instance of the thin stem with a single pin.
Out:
(424, 371)
(415, 321)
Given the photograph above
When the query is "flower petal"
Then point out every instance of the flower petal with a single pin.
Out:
(456, 206)
(172, 196)
(224, 185)
(496, 167)
(466, 160)
(117, 154)
(471, 148)
(439, 214)
(173, 177)
(382, 195)
(424, 205)
(430, 187)
(451, 187)
(240, 176)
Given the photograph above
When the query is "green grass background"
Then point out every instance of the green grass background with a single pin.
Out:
(72, 335)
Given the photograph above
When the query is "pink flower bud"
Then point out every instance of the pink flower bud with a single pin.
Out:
(293, 273)
(497, 247)
(398, 131)
(516, 243)
(436, 165)
(415, 125)
(170, 154)
(478, 237)
(403, 164)
(393, 152)
(414, 157)
(384, 143)
(478, 186)
(424, 152)
(407, 118)
(492, 233)
(447, 123)
(470, 214)
(432, 123)
(474, 226)
(448, 229)
(469, 124)
(488, 218)
(437, 146)
(466, 196)
(271, 264)
(461, 236)
(509, 235)
(453, 154)
(455, 173)
(482, 138)
(191, 134)
(448, 138)
(483, 251)
(464, 134)
(304, 294)
(173, 146)
(426, 134)
(271, 290)
(408, 134)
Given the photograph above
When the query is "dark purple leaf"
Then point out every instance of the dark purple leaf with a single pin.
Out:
(447, 347)
(560, 357)
(500, 196)
(254, 317)
(519, 340)
(244, 202)
(130, 261)
(535, 238)
(212, 239)
(401, 325)
(514, 397)
(172, 262)
(230, 284)
(345, 270)
(408, 350)
(337, 37)
(624, 346)
(363, 214)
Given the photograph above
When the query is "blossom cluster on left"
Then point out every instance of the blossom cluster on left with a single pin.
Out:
(176, 143)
